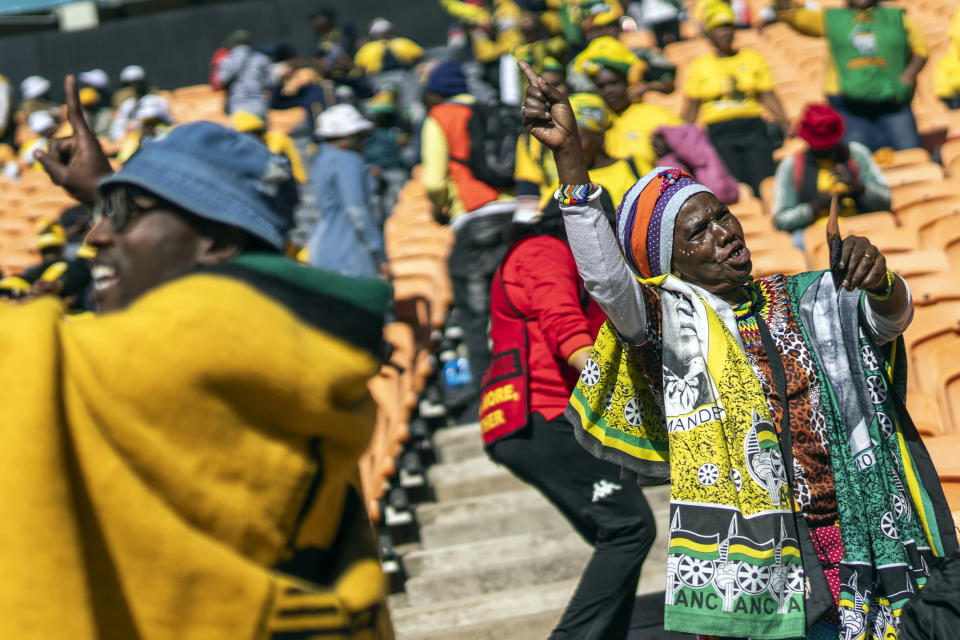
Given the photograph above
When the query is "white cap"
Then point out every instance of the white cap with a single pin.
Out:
(152, 106)
(380, 27)
(96, 78)
(340, 121)
(34, 87)
(132, 73)
(40, 121)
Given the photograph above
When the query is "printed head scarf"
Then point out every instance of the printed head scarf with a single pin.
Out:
(646, 218)
(718, 14)
(590, 111)
(610, 53)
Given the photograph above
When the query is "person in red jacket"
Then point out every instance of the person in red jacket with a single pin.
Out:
(543, 325)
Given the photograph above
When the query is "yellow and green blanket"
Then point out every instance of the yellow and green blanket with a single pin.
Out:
(186, 468)
(734, 562)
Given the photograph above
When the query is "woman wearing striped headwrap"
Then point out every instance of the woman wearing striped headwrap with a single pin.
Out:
(802, 500)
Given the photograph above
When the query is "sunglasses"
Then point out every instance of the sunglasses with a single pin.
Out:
(120, 208)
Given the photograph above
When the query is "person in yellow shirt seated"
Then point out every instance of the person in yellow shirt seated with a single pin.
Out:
(876, 53)
(276, 141)
(384, 52)
(614, 69)
(536, 171)
(946, 77)
(727, 90)
(43, 128)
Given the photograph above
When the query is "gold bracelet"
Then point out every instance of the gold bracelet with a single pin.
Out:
(885, 295)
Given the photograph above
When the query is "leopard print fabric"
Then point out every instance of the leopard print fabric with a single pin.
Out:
(813, 472)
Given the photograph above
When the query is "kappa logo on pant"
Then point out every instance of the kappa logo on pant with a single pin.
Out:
(603, 488)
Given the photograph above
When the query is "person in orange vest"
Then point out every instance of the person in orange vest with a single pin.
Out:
(475, 210)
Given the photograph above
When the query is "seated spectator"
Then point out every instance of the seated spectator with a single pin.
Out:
(875, 56)
(688, 148)
(35, 96)
(616, 73)
(537, 47)
(219, 358)
(133, 84)
(385, 52)
(536, 171)
(126, 99)
(741, 12)
(728, 90)
(56, 274)
(276, 141)
(807, 181)
(97, 114)
(152, 122)
(346, 239)
(95, 79)
(42, 128)
(476, 211)
(946, 76)
(245, 75)
(76, 224)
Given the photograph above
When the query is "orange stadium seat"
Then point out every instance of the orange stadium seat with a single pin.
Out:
(920, 214)
(934, 287)
(934, 327)
(925, 412)
(918, 263)
(924, 172)
(945, 453)
(922, 192)
(938, 233)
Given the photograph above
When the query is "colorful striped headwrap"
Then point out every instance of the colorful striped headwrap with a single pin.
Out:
(647, 215)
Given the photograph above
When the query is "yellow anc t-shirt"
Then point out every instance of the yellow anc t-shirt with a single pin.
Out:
(810, 22)
(728, 87)
(629, 135)
(535, 164)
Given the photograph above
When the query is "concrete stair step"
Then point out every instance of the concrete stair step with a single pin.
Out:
(458, 435)
(498, 576)
(478, 555)
(462, 451)
(489, 609)
(469, 478)
(479, 506)
(534, 626)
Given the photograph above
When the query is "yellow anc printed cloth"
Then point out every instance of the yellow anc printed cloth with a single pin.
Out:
(187, 468)
(733, 566)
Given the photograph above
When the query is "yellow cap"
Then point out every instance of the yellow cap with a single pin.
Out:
(14, 284)
(88, 96)
(718, 14)
(51, 235)
(244, 121)
(86, 252)
(590, 111)
(610, 53)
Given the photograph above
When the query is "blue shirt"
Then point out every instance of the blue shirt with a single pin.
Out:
(346, 238)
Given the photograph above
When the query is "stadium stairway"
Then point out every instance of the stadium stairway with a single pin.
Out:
(496, 560)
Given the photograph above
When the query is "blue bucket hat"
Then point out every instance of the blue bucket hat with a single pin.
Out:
(217, 174)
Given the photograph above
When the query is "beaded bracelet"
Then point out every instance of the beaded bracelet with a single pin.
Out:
(575, 193)
(886, 292)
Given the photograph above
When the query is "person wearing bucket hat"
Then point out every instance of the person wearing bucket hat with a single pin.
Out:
(700, 363)
(808, 180)
(875, 53)
(346, 238)
(213, 355)
(617, 75)
(728, 90)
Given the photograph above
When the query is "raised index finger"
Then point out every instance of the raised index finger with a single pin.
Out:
(528, 71)
(74, 114)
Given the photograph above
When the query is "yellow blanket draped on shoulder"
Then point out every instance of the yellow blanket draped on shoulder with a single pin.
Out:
(186, 468)
(710, 435)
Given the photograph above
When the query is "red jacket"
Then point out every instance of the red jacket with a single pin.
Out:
(540, 277)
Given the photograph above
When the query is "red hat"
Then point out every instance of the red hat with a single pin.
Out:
(821, 127)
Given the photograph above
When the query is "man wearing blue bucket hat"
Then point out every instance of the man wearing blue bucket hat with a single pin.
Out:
(190, 463)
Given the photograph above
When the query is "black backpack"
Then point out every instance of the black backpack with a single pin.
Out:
(494, 129)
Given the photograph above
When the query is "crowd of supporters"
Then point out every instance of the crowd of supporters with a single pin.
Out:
(564, 185)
